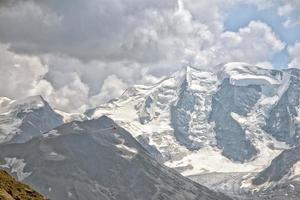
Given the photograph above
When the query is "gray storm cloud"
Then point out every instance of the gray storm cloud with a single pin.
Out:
(92, 50)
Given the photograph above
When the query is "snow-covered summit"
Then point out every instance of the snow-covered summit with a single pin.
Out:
(237, 116)
(22, 119)
(31, 102)
(194, 119)
(243, 74)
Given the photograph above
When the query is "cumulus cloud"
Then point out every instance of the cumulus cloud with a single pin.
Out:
(67, 83)
(23, 75)
(132, 30)
(82, 53)
(257, 41)
(83, 29)
(253, 43)
(19, 73)
(290, 9)
(112, 86)
(294, 52)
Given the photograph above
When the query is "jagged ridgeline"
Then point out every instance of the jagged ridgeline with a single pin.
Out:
(234, 129)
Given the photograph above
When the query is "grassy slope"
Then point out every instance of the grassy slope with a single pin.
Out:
(10, 189)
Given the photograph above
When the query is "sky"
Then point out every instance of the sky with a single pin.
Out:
(79, 54)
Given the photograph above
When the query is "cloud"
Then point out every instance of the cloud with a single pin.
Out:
(112, 87)
(82, 53)
(97, 31)
(23, 75)
(257, 41)
(289, 10)
(253, 43)
(118, 30)
(294, 52)
(19, 73)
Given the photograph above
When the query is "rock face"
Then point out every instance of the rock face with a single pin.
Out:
(94, 160)
(280, 167)
(238, 116)
(282, 123)
(10, 189)
(23, 119)
(280, 180)
(181, 117)
(231, 114)
(230, 135)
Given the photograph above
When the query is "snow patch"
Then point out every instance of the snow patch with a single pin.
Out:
(16, 166)
(52, 133)
(9, 128)
(295, 172)
(127, 152)
(55, 156)
(69, 117)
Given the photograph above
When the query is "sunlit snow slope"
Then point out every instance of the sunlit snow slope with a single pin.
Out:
(199, 121)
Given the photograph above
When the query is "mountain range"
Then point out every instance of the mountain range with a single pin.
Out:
(234, 129)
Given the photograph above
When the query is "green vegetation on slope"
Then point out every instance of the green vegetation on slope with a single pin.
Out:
(10, 189)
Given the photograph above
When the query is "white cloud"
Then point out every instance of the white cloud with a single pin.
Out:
(80, 60)
(284, 9)
(19, 73)
(294, 52)
(112, 87)
(290, 11)
(253, 43)
(23, 75)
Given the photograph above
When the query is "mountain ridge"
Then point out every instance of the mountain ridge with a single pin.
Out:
(194, 119)
(113, 165)
(239, 116)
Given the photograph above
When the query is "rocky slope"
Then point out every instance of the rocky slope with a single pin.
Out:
(94, 160)
(10, 189)
(280, 180)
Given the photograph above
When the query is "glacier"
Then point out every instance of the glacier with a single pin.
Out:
(195, 119)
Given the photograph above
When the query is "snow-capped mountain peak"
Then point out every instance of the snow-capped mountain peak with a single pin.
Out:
(194, 120)
(32, 102)
(194, 114)
(243, 74)
(23, 119)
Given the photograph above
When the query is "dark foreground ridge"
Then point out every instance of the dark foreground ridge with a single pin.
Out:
(97, 159)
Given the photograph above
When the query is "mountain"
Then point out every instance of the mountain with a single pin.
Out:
(20, 120)
(237, 116)
(281, 178)
(10, 189)
(234, 128)
(96, 159)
